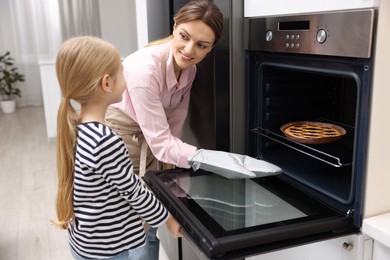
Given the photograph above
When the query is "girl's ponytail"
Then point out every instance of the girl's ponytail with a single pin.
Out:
(66, 140)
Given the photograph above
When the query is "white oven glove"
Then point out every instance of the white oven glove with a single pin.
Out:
(231, 165)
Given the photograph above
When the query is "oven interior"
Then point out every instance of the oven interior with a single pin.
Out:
(285, 92)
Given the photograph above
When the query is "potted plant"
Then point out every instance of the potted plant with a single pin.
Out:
(9, 75)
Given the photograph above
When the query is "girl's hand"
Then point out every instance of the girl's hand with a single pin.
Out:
(174, 227)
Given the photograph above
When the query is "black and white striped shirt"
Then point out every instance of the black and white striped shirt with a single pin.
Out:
(109, 200)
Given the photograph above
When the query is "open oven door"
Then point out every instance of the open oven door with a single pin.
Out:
(232, 218)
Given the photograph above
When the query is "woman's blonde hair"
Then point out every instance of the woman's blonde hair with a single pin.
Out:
(80, 66)
(202, 10)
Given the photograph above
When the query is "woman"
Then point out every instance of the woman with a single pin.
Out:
(159, 78)
(100, 200)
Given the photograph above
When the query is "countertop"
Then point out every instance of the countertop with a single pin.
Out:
(378, 228)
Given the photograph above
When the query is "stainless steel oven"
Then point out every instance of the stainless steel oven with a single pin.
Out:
(313, 68)
(298, 68)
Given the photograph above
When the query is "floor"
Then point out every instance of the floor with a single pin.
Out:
(28, 182)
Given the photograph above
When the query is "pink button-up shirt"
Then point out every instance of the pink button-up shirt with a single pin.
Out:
(147, 95)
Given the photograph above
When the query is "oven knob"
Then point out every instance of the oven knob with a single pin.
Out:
(268, 36)
(321, 36)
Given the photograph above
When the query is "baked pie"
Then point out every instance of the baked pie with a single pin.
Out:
(312, 132)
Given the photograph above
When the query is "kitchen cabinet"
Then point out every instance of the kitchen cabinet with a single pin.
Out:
(380, 251)
(378, 163)
(256, 8)
(351, 247)
(378, 228)
(170, 244)
(178, 248)
(190, 251)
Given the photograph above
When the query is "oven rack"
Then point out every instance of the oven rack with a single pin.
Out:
(337, 154)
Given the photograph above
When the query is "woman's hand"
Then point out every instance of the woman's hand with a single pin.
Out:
(174, 227)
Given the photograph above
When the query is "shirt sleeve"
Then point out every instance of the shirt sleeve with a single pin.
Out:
(113, 163)
(155, 127)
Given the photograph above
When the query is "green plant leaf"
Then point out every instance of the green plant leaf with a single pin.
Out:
(9, 75)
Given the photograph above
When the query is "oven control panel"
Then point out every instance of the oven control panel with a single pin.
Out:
(346, 33)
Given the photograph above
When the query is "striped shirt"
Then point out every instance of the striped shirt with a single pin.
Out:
(109, 200)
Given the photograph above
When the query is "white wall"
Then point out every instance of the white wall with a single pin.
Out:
(118, 24)
(131, 24)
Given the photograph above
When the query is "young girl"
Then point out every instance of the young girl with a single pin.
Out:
(100, 201)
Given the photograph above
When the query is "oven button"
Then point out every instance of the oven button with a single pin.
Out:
(287, 37)
(297, 37)
(268, 36)
(321, 36)
(297, 45)
(287, 45)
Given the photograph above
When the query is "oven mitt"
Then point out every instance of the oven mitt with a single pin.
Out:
(231, 165)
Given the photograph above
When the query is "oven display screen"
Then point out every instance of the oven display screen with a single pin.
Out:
(294, 25)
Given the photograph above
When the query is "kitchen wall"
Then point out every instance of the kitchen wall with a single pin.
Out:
(131, 24)
(118, 24)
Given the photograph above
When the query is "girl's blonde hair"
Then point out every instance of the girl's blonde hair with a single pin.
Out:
(80, 66)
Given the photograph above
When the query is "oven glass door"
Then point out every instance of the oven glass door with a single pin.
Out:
(233, 217)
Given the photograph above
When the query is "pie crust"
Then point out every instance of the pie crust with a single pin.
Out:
(312, 132)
